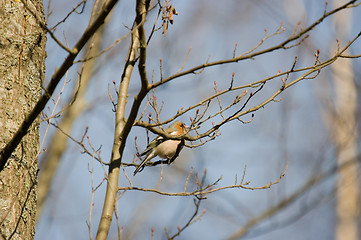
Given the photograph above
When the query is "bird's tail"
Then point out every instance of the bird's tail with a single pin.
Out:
(141, 165)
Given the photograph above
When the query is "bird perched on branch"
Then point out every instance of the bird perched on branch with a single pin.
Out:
(164, 148)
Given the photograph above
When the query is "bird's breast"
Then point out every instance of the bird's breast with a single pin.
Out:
(167, 149)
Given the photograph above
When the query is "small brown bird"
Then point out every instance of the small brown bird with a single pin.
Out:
(164, 148)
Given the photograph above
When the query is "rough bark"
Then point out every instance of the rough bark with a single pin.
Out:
(22, 56)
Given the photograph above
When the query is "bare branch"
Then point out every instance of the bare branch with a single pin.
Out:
(307, 75)
(316, 179)
(206, 189)
(250, 55)
(123, 127)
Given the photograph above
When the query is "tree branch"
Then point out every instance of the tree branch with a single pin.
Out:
(250, 55)
(307, 75)
(123, 126)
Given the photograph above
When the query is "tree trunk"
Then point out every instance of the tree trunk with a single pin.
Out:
(22, 56)
(345, 138)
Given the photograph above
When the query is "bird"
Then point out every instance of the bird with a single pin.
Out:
(162, 147)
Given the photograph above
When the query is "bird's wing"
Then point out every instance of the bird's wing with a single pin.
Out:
(152, 145)
(149, 152)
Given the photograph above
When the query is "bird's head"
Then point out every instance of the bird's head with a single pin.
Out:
(177, 128)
